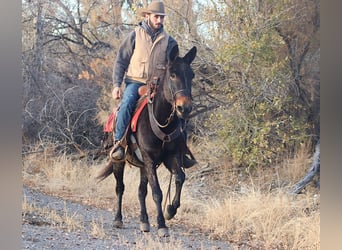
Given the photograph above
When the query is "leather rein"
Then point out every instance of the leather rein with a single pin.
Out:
(155, 125)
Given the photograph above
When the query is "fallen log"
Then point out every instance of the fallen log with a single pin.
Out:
(314, 170)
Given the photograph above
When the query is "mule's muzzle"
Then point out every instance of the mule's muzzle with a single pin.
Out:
(183, 107)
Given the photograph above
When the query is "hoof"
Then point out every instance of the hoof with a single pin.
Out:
(144, 227)
(163, 232)
(117, 224)
(170, 212)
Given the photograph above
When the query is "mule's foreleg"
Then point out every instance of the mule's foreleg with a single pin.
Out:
(172, 209)
(144, 223)
(118, 171)
(157, 196)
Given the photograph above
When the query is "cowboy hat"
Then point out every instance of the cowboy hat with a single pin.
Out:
(155, 7)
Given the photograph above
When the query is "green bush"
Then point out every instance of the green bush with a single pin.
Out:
(261, 135)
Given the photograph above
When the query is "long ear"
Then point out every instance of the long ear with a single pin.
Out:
(190, 56)
(174, 53)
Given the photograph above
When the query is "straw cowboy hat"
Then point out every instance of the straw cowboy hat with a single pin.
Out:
(155, 7)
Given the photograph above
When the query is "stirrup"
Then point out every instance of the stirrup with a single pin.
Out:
(115, 148)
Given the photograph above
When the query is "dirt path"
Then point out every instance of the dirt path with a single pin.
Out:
(42, 232)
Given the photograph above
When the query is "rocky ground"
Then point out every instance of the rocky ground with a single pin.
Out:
(40, 232)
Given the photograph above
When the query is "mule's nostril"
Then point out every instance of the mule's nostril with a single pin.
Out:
(180, 109)
(184, 109)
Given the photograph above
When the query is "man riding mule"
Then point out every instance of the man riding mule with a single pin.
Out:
(150, 57)
(142, 56)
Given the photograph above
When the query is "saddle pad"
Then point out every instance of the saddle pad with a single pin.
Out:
(136, 115)
(108, 127)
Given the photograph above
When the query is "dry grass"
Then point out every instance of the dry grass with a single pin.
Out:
(247, 209)
(44, 215)
(97, 229)
(150, 242)
(266, 221)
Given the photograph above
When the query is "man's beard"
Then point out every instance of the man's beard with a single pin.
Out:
(153, 27)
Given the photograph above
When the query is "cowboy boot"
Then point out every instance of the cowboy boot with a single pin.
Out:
(117, 153)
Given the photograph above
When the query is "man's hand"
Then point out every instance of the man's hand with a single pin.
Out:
(116, 93)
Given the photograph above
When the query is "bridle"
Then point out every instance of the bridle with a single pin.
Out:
(155, 125)
(152, 91)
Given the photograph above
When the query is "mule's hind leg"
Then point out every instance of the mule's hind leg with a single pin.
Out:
(118, 171)
(172, 165)
(144, 223)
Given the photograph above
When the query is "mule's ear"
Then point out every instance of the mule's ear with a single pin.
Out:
(174, 53)
(190, 56)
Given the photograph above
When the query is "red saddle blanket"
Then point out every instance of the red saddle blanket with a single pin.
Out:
(136, 115)
(109, 126)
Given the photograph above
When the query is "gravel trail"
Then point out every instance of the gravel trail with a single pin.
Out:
(42, 232)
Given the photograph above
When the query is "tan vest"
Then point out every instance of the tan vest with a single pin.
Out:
(148, 59)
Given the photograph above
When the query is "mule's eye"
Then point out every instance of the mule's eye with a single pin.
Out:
(173, 76)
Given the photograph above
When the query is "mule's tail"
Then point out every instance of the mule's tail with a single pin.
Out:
(105, 172)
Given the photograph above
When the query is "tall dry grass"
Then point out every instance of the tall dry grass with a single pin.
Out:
(246, 209)
(266, 221)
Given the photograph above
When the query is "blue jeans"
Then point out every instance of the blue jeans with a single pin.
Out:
(127, 107)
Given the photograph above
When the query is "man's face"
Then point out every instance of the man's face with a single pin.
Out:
(155, 21)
